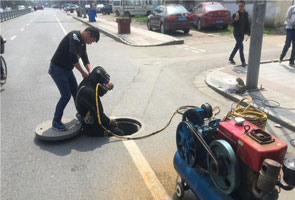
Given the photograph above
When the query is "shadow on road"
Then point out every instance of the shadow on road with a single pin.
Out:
(80, 143)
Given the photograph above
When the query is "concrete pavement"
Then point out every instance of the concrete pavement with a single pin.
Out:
(138, 37)
(275, 94)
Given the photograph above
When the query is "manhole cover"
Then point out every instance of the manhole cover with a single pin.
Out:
(44, 131)
(128, 126)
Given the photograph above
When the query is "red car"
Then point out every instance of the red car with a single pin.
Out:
(170, 17)
(208, 14)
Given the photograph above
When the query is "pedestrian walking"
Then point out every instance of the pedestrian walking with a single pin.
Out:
(66, 57)
(290, 35)
(241, 27)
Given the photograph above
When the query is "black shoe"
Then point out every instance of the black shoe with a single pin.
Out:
(231, 61)
(244, 64)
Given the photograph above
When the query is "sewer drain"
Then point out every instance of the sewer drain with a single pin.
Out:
(128, 126)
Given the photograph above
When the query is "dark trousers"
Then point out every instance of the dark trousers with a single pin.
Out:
(290, 38)
(239, 46)
(67, 85)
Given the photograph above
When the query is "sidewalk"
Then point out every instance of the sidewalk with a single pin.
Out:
(276, 94)
(138, 37)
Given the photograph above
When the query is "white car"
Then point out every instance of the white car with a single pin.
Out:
(98, 7)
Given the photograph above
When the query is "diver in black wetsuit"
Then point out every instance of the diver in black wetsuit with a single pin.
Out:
(88, 104)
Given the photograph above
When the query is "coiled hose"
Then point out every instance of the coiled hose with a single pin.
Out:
(249, 113)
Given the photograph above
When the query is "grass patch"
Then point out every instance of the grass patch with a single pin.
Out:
(140, 18)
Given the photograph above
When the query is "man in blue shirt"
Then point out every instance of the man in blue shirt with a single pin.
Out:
(70, 50)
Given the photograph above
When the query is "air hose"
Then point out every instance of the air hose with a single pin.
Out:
(180, 110)
(249, 113)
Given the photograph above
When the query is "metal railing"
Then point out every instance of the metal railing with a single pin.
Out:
(7, 15)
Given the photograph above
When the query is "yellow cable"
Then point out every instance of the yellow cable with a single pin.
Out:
(249, 113)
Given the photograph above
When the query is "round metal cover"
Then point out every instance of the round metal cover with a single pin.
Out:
(44, 131)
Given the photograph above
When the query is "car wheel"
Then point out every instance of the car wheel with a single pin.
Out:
(162, 28)
(127, 14)
(225, 26)
(150, 28)
(117, 13)
(104, 13)
(199, 27)
(186, 31)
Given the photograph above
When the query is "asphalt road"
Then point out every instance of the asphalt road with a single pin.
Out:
(150, 83)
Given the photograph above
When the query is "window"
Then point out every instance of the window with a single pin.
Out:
(214, 6)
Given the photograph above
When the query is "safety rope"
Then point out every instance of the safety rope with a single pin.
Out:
(249, 113)
(180, 110)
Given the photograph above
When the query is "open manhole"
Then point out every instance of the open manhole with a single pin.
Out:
(128, 126)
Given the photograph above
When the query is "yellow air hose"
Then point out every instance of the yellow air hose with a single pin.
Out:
(249, 113)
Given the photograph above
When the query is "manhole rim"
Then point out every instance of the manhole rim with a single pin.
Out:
(131, 119)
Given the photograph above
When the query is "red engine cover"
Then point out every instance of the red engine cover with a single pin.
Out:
(247, 149)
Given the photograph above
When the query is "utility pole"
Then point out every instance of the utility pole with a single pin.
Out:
(255, 44)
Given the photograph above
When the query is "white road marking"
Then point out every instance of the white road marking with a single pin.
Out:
(13, 37)
(28, 24)
(149, 176)
(22, 29)
(61, 26)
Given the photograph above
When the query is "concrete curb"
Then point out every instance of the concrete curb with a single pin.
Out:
(118, 39)
(237, 98)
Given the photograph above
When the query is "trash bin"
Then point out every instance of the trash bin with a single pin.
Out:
(92, 14)
(123, 25)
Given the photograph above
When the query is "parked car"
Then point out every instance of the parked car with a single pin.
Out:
(170, 17)
(1, 10)
(208, 14)
(99, 7)
(106, 9)
(8, 9)
(40, 7)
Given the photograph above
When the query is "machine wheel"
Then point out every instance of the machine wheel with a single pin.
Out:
(179, 190)
(117, 13)
(199, 27)
(4, 68)
(150, 28)
(162, 28)
(187, 144)
(226, 176)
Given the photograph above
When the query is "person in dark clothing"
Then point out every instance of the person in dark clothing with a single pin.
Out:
(241, 27)
(290, 36)
(2, 42)
(66, 57)
(94, 121)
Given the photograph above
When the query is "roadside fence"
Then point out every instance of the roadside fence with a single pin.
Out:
(7, 15)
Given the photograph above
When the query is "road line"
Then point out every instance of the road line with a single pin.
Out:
(149, 176)
(28, 24)
(13, 37)
(61, 26)
(22, 29)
